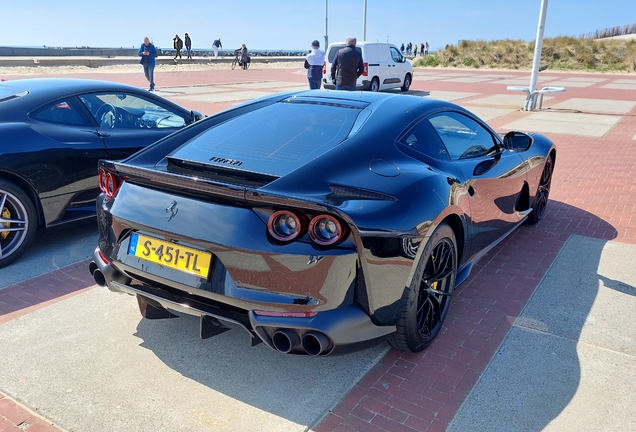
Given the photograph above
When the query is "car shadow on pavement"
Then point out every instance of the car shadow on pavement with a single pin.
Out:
(571, 346)
(495, 294)
(52, 250)
(300, 389)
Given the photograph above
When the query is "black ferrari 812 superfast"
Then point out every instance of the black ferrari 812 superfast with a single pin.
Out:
(320, 222)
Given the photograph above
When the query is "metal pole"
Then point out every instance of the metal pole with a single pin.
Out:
(364, 22)
(531, 101)
(326, 24)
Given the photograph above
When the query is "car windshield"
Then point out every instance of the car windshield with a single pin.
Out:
(287, 132)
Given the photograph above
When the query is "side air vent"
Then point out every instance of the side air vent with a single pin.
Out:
(344, 193)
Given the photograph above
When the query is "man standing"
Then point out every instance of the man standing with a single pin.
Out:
(188, 45)
(313, 63)
(347, 66)
(177, 43)
(215, 46)
(148, 52)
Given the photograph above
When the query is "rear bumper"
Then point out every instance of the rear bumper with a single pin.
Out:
(331, 332)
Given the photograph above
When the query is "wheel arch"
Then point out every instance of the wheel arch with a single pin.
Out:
(30, 191)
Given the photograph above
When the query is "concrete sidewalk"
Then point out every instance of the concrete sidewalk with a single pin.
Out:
(540, 336)
(569, 361)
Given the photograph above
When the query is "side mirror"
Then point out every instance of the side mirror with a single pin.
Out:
(517, 141)
(195, 116)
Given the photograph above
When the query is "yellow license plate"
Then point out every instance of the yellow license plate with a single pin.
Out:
(170, 255)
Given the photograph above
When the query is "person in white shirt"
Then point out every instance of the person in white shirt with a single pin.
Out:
(314, 63)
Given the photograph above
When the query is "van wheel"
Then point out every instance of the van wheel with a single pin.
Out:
(407, 83)
(375, 85)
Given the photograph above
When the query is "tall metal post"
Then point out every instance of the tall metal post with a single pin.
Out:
(531, 101)
(326, 24)
(364, 22)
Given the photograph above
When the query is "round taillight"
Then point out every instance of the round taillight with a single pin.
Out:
(284, 226)
(111, 185)
(325, 230)
(102, 180)
(108, 183)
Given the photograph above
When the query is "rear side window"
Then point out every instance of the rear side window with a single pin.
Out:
(331, 55)
(423, 139)
(60, 112)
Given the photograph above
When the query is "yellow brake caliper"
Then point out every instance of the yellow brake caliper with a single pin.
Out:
(6, 214)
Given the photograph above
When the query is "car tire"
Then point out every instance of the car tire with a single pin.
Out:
(375, 85)
(429, 295)
(18, 222)
(407, 83)
(540, 202)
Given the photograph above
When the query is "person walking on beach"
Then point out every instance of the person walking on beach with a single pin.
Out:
(148, 52)
(426, 48)
(188, 45)
(313, 63)
(347, 66)
(415, 51)
(177, 43)
(245, 57)
(215, 46)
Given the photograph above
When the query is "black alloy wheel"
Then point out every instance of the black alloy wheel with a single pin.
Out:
(543, 192)
(17, 222)
(429, 295)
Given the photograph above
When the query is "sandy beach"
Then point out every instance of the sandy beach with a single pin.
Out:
(128, 68)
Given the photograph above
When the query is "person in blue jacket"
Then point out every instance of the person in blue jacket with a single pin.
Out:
(314, 63)
(148, 52)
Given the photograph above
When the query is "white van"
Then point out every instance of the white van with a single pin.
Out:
(384, 67)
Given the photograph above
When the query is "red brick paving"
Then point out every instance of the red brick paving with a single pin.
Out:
(15, 418)
(593, 194)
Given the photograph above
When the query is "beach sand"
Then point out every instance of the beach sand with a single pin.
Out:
(135, 68)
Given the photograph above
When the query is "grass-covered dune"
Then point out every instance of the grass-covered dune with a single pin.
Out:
(559, 53)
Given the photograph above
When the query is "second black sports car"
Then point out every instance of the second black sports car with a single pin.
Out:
(320, 222)
(52, 133)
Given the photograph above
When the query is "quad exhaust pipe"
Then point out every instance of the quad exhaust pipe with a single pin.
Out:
(313, 342)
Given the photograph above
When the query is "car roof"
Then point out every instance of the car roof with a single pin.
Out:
(63, 85)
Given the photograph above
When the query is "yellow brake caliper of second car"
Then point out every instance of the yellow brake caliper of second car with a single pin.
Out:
(6, 214)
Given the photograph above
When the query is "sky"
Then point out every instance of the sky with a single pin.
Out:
(294, 24)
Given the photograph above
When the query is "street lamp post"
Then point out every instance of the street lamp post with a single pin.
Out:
(326, 24)
(364, 22)
(538, 46)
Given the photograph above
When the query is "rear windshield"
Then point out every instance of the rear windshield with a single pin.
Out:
(8, 92)
(286, 132)
(334, 50)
